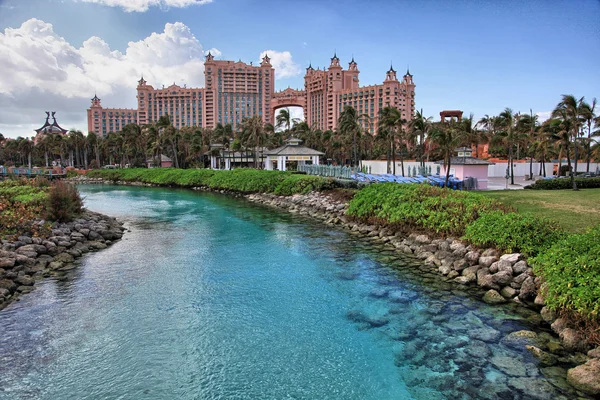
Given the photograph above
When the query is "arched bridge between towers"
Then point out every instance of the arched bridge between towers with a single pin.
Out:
(288, 98)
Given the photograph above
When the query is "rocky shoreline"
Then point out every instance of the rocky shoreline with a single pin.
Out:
(503, 278)
(29, 259)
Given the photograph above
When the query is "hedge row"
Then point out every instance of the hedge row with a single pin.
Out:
(564, 183)
(238, 180)
(427, 207)
(571, 271)
(474, 217)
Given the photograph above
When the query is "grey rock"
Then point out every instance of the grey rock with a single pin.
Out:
(512, 258)
(423, 239)
(490, 253)
(534, 388)
(528, 289)
(487, 261)
(64, 258)
(472, 257)
(519, 339)
(494, 267)
(493, 297)
(504, 265)
(519, 267)
(502, 278)
(25, 280)
(509, 365)
(573, 340)
(8, 284)
(586, 377)
(548, 315)
(519, 279)
(594, 353)
(7, 262)
(489, 335)
(460, 264)
(559, 325)
(444, 269)
(508, 292)
(546, 359)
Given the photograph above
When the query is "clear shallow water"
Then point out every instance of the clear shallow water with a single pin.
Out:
(210, 297)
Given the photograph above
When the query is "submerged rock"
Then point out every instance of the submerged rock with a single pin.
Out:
(586, 377)
(545, 359)
(493, 297)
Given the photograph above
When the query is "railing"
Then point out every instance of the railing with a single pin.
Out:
(332, 171)
(4, 171)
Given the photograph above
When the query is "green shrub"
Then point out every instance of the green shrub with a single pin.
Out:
(238, 180)
(512, 232)
(302, 184)
(571, 272)
(420, 206)
(64, 202)
(564, 183)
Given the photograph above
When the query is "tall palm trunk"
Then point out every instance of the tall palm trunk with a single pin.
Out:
(573, 181)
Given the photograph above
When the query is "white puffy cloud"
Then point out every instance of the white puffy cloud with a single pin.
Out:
(40, 67)
(282, 61)
(544, 115)
(144, 5)
(214, 52)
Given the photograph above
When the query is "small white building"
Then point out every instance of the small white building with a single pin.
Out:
(291, 152)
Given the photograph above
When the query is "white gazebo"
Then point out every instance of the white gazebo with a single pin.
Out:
(292, 150)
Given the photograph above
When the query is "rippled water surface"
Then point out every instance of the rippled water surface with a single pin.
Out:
(210, 297)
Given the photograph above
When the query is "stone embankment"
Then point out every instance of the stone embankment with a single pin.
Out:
(30, 259)
(503, 277)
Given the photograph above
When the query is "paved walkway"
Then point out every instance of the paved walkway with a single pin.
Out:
(499, 183)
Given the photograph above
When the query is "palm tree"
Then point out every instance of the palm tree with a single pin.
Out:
(254, 131)
(284, 118)
(350, 125)
(447, 136)
(420, 127)
(391, 124)
(588, 113)
(569, 110)
(509, 135)
(527, 126)
(26, 148)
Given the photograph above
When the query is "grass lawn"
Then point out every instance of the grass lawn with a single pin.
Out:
(574, 211)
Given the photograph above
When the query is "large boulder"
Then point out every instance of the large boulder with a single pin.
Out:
(573, 340)
(512, 258)
(528, 289)
(502, 278)
(586, 377)
(493, 297)
(519, 267)
(546, 359)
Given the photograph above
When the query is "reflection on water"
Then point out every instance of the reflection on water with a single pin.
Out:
(210, 297)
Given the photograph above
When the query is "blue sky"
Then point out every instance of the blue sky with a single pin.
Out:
(477, 56)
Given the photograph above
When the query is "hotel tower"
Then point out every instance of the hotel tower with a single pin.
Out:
(236, 90)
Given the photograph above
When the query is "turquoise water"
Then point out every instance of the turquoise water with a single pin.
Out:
(210, 297)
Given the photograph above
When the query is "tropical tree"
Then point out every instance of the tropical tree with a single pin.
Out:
(447, 136)
(284, 118)
(391, 126)
(588, 114)
(420, 127)
(350, 126)
(569, 110)
(254, 133)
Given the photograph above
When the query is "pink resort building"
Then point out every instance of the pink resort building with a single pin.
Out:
(236, 90)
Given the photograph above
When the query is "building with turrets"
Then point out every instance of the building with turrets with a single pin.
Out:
(49, 128)
(236, 90)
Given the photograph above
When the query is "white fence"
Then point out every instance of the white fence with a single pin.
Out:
(494, 171)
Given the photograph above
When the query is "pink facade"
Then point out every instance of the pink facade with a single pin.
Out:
(329, 91)
(480, 172)
(236, 90)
